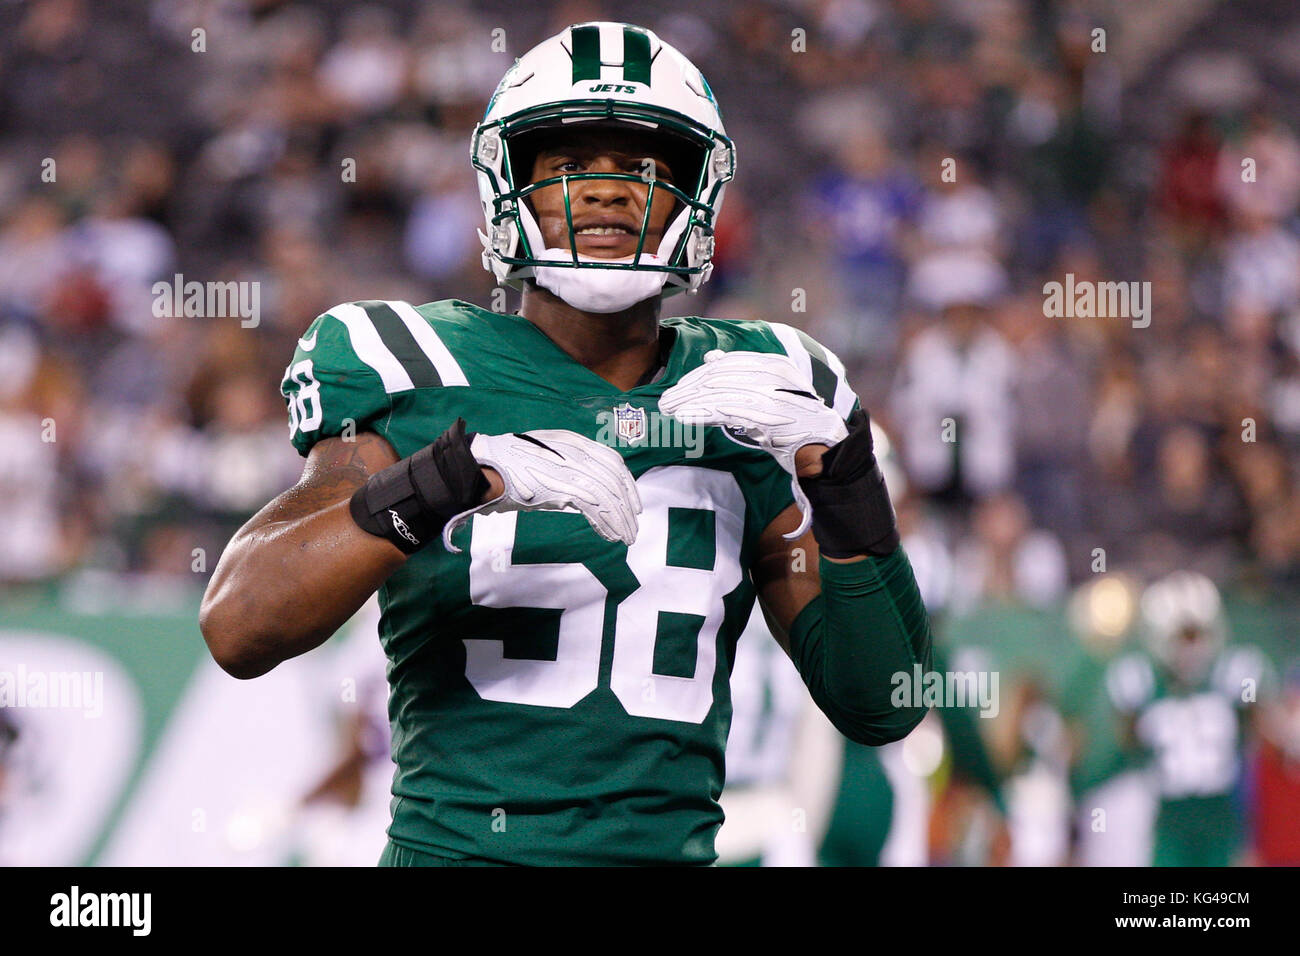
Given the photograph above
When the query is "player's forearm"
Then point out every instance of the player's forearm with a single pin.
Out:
(867, 625)
(282, 587)
(304, 564)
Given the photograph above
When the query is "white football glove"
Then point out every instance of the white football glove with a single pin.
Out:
(557, 470)
(761, 400)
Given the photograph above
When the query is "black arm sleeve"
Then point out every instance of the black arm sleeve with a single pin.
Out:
(858, 640)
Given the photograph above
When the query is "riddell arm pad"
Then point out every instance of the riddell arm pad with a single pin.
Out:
(409, 501)
(852, 513)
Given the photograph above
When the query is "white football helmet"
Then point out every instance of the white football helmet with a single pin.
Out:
(614, 75)
(1183, 623)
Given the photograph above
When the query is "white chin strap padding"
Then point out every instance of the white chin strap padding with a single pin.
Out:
(600, 290)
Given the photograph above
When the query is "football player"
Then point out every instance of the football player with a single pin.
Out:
(568, 511)
(1185, 707)
(1103, 618)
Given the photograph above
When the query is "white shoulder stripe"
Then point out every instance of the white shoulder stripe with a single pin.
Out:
(844, 394)
(449, 370)
(789, 339)
(788, 336)
(370, 348)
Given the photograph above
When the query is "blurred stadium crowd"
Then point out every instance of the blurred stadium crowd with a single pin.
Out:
(1072, 434)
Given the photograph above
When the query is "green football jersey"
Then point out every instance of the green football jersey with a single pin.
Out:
(556, 698)
(1193, 737)
(1192, 734)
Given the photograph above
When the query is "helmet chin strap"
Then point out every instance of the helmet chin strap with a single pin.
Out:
(601, 290)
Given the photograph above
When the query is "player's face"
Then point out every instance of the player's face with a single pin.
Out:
(607, 213)
(1192, 654)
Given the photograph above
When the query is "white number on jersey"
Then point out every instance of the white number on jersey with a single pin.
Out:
(580, 597)
(1195, 743)
(304, 404)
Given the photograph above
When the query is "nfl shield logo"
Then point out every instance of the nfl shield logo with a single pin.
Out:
(630, 422)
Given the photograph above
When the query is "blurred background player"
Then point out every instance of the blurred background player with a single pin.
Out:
(341, 819)
(1186, 704)
(800, 794)
(1114, 807)
(782, 760)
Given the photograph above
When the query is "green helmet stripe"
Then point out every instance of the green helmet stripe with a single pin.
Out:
(399, 340)
(636, 55)
(586, 53)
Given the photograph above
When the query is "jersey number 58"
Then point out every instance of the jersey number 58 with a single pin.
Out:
(668, 593)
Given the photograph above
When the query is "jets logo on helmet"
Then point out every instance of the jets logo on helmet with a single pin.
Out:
(616, 75)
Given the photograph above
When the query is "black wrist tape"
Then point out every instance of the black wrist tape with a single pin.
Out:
(852, 513)
(410, 501)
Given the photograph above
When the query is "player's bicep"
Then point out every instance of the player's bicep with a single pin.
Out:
(347, 462)
(336, 467)
(785, 574)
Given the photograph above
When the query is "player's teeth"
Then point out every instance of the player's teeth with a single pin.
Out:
(601, 231)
